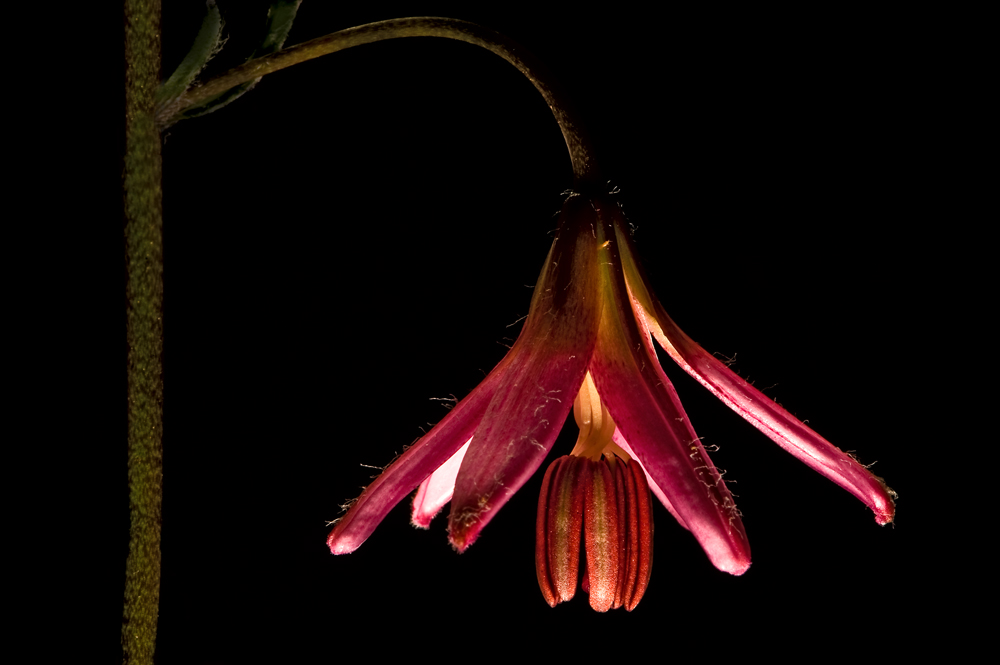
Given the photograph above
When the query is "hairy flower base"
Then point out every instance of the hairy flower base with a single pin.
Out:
(609, 501)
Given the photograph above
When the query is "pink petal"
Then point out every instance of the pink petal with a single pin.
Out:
(547, 366)
(758, 409)
(436, 490)
(657, 492)
(646, 409)
(417, 463)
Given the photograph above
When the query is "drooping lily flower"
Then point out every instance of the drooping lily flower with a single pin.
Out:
(587, 341)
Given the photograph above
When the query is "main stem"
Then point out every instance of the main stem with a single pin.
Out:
(584, 167)
(144, 252)
(144, 328)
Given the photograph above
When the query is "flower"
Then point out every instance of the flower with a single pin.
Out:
(588, 336)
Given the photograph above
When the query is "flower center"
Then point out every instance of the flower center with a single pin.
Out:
(598, 494)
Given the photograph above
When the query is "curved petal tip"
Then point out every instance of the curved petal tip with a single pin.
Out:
(462, 532)
(341, 545)
(884, 505)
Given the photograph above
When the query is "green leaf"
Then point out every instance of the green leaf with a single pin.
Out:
(279, 22)
(206, 45)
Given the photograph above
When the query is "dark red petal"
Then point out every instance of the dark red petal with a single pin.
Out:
(417, 463)
(546, 368)
(758, 409)
(646, 409)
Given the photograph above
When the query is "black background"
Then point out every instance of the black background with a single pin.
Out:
(354, 237)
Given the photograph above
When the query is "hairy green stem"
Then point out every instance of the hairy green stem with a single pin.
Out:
(144, 331)
(581, 154)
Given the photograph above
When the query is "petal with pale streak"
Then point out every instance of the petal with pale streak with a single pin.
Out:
(436, 490)
(646, 409)
(759, 410)
(415, 464)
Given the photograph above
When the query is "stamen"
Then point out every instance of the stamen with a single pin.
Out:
(600, 490)
(601, 537)
(557, 529)
(609, 501)
(639, 556)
